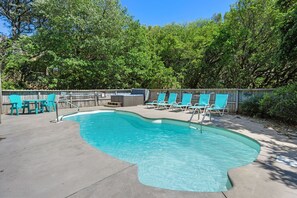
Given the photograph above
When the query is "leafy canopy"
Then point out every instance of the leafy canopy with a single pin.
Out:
(84, 44)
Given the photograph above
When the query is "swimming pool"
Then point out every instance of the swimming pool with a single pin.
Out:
(169, 154)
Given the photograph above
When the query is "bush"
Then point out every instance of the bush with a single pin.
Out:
(281, 104)
(251, 107)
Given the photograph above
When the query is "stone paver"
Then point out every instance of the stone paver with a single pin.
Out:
(43, 159)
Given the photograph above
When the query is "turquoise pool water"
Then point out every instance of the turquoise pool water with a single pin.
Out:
(169, 154)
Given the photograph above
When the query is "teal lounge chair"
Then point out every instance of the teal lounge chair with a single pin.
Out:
(203, 103)
(49, 104)
(161, 99)
(219, 106)
(170, 102)
(185, 103)
(17, 104)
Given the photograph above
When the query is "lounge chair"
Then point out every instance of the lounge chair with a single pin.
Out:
(49, 104)
(219, 106)
(170, 102)
(17, 104)
(161, 99)
(185, 103)
(203, 103)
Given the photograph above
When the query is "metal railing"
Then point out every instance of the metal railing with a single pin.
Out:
(58, 119)
(57, 112)
(202, 120)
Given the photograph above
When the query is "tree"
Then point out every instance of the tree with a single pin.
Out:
(182, 47)
(246, 47)
(288, 45)
(18, 13)
(95, 44)
(84, 44)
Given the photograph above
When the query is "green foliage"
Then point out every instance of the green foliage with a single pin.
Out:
(251, 106)
(19, 16)
(19, 63)
(280, 105)
(182, 47)
(241, 56)
(84, 44)
(287, 53)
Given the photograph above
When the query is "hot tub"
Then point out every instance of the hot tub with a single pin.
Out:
(128, 100)
(137, 97)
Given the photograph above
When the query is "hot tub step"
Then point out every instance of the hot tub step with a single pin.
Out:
(113, 104)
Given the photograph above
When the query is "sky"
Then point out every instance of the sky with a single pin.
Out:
(162, 12)
(3, 28)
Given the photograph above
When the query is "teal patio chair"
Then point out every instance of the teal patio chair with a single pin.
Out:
(220, 105)
(203, 103)
(161, 99)
(49, 104)
(170, 102)
(17, 104)
(185, 103)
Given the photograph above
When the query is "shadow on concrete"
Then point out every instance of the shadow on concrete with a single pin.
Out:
(278, 171)
(285, 174)
(287, 177)
(238, 122)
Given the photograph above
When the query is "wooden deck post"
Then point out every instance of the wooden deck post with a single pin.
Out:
(96, 98)
(70, 99)
(236, 100)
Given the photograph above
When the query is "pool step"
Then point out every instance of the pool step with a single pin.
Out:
(113, 104)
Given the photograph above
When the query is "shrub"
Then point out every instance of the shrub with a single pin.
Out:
(281, 104)
(251, 107)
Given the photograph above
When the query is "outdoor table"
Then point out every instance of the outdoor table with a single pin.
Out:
(36, 103)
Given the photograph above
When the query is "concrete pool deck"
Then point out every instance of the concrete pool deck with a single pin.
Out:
(43, 159)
